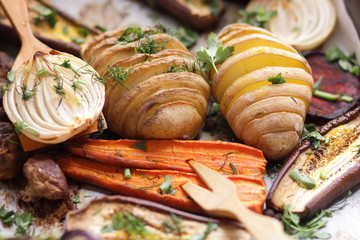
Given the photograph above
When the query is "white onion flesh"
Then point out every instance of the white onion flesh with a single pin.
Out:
(48, 116)
(304, 24)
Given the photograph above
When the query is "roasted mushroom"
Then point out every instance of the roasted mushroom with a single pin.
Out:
(45, 179)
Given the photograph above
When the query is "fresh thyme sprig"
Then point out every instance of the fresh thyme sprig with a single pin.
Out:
(118, 74)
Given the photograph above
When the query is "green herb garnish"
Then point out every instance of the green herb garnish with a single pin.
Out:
(102, 29)
(166, 186)
(305, 181)
(10, 77)
(76, 199)
(278, 79)
(140, 145)
(6, 217)
(127, 223)
(151, 46)
(127, 173)
(66, 64)
(45, 15)
(65, 30)
(42, 72)
(305, 230)
(188, 37)
(78, 40)
(323, 176)
(214, 7)
(233, 168)
(26, 93)
(216, 53)
(22, 223)
(21, 126)
(118, 74)
(209, 228)
(173, 226)
(315, 138)
(83, 32)
(77, 85)
(347, 63)
(256, 17)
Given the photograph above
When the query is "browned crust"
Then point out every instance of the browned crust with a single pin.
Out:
(340, 186)
(183, 12)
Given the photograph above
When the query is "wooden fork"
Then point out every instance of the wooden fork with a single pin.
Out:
(223, 201)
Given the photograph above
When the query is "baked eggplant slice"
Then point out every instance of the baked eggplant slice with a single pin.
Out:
(52, 26)
(199, 14)
(333, 80)
(312, 178)
(151, 220)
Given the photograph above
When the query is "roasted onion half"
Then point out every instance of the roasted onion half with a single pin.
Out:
(53, 97)
(304, 24)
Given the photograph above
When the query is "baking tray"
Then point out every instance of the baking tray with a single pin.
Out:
(113, 14)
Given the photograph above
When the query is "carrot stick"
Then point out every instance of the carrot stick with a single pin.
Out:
(172, 154)
(146, 183)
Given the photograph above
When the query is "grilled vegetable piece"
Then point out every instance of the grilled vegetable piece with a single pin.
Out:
(333, 80)
(52, 26)
(199, 14)
(12, 157)
(334, 166)
(162, 186)
(304, 24)
(155, 90)
(263, 111)
(45, 179)
(171, 154)
(160, 222)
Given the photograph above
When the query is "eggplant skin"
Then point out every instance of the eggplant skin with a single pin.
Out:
(184, 11)
(339, 186)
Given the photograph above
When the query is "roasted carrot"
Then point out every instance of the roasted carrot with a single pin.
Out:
(226, 157)
(147, 183)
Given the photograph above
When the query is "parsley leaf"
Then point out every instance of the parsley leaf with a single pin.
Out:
(128, 223)
(6, 216)
(45, 15)
(308, 230)
(347, 63)
(215, 53)
(166, 186)
(188, 37)
(256, 17)
(22, 223)
(209, 228)
(278, 79)
(140, 145)
(315, 138)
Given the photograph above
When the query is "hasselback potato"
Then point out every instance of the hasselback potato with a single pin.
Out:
(264, 89)
(155, 90)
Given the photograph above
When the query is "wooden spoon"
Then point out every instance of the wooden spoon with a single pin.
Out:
(51, 96)
(18, 15)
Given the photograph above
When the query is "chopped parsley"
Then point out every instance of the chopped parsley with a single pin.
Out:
(166, 186)
(216, 53)
(128, 223)
(347, 63)
(140, 145)
(278, 79)
(258, 17)
(45, 15)
(305, 230)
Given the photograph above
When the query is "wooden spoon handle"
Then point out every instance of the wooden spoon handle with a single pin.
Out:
(18, 15)
(260, 226)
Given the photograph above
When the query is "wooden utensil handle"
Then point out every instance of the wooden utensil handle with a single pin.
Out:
(17, 13)
(260, 226)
